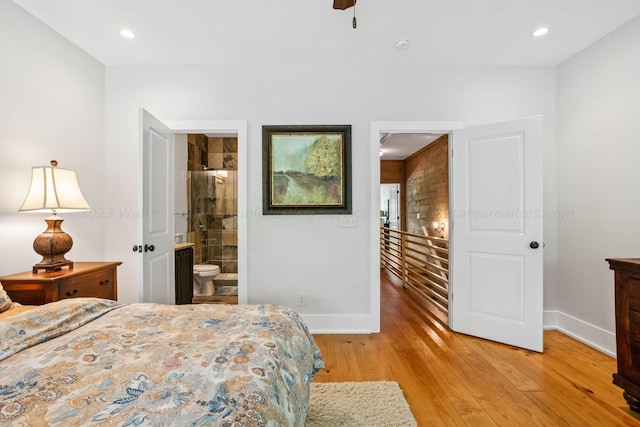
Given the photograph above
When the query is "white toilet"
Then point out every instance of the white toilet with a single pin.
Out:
(203, 275)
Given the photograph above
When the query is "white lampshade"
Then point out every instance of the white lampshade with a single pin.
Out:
(54, 188)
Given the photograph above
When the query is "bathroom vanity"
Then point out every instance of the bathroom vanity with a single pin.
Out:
(184, 273)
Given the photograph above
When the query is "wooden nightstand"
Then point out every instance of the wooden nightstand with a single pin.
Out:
(85, 279)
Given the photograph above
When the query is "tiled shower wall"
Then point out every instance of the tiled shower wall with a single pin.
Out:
(213, 201)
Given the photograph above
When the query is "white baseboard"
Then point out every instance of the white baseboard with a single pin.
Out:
(591, 335)
(338, 323)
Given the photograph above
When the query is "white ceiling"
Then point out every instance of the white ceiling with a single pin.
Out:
(441, 32)
(399, 146)
(491, 32)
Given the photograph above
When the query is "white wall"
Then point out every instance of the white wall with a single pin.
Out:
(598, 179)
(291, 254)
(51, 107)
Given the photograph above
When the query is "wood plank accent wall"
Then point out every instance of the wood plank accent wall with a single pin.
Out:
(392, 172)
(427, 187)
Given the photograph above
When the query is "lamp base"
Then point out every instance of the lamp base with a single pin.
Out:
(52, 267)
(52, 244)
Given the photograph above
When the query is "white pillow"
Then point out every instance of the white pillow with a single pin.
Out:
(5, 301)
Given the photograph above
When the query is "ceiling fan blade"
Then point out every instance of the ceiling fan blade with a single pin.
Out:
(343, 4)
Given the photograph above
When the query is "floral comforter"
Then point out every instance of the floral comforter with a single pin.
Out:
(88, 361)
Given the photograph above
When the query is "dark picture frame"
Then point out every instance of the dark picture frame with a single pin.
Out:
(306, 170)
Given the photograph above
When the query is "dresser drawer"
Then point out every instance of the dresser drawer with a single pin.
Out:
(99, 285)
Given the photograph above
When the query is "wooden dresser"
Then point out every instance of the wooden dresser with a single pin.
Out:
(85, 279)
(627, 283)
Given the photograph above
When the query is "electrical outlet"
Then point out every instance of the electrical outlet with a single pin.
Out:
(302, 299)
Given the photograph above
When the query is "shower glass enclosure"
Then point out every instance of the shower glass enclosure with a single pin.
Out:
(213, 201)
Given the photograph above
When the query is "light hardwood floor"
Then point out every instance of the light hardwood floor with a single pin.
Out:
(457, 380)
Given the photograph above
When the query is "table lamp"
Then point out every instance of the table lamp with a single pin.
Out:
(53, 190)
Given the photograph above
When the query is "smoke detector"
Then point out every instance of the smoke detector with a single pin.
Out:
(402, 44)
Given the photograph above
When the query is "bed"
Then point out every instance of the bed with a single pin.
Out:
(89, 361)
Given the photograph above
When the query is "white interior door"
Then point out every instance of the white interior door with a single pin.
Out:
(394, 207)
(496, 240)
(157, 222)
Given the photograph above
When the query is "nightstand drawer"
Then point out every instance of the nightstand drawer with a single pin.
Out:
(99, 285)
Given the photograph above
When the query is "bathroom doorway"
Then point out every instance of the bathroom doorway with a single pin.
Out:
(211, 206)
(212, 215)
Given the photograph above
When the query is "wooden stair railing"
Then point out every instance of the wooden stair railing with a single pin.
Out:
(420, 262)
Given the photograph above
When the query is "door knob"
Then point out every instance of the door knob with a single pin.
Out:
(149, 248)
(137, 248)
(534, 245)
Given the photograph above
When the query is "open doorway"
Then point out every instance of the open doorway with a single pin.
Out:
(381, 132)
(415, 249)
(224, 170)
(208, 218)
(494, 241)
(390, 206)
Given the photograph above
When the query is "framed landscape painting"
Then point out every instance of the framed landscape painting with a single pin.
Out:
(306, 170)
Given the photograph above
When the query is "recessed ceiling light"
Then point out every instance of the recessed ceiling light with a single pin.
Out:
(127, 33)
(540, 32)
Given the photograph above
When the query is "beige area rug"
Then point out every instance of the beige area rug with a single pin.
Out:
(358, 404)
